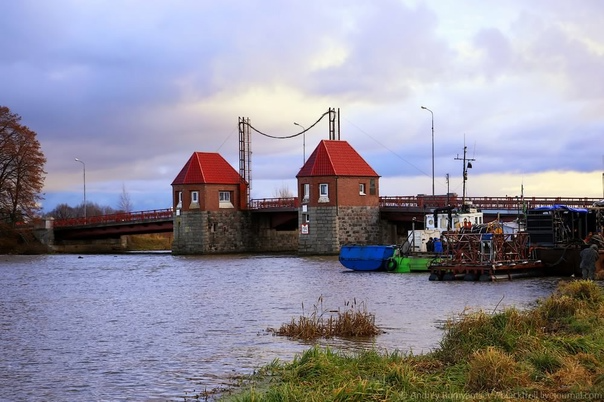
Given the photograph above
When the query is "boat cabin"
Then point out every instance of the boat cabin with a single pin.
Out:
(444, 219)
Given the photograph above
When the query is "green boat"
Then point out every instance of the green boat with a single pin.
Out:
(410, 263)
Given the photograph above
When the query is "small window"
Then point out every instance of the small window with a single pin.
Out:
(361, 188)
(224, 198)
(194, 199)
(372, 189)
(179, 198)
(306, 192)
(306, 218)
(323, 192)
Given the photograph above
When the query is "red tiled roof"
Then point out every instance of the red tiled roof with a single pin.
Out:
(207, 168)
(336, 158)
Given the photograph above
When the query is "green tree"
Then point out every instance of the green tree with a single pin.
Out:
(21, 169)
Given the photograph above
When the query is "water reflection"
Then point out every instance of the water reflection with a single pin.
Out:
(157, 327)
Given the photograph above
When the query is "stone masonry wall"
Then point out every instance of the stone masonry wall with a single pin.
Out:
(322, 237)
(190, 233)
(359, 225)
(211, 232)
(228, 232)
(264, 239)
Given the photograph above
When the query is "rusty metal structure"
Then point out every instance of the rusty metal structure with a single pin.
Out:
(485, 256)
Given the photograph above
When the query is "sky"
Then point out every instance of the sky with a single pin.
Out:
(132, 88)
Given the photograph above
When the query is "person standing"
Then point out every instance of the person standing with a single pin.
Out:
(589, 256)
(430, 245)
(438, 246)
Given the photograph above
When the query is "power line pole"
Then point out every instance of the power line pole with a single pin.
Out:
(465, 172)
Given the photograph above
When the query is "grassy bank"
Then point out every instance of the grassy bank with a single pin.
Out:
(150, 242)
(552, 352)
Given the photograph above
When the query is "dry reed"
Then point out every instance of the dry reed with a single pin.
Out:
(354, 322)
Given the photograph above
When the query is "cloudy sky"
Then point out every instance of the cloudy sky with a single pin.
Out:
(134, 87)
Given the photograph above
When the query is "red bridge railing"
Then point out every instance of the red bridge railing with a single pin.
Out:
(420, 201)
(271, 203)
(123, 217)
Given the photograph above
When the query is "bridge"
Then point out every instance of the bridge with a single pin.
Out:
(285, 212)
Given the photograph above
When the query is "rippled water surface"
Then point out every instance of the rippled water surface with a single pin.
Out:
(154, 327)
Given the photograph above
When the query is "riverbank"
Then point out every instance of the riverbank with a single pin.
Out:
(551, 352)
(24, 242)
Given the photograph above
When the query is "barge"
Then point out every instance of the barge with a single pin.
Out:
(550, 245)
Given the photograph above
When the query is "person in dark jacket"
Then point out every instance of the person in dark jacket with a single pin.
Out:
(589, 256)
(430, 245)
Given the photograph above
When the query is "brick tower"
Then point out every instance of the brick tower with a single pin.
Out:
(339, 200)
(209, 200)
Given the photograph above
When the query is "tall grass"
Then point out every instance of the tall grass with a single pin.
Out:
(554, 351)
(354, 322)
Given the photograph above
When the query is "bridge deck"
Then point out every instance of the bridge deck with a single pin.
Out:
(387, 203)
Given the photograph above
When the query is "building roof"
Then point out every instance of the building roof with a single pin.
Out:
(336, 158)
(207, 168)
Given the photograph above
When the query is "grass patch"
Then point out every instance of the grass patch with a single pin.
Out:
(551, 352)
(149, 242)
(354, 322)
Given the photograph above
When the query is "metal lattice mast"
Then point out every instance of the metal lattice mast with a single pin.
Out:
(245, 155)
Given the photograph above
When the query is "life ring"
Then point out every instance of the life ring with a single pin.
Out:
(391, 265)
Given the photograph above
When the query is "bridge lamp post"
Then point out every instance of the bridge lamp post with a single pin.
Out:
(432, 113)
(303, 143)
(84, 167)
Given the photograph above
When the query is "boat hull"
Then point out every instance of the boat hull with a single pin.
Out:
(410, 263)
(383, 258)
(366, 258)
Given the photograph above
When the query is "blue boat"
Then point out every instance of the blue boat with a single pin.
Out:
(366, 258)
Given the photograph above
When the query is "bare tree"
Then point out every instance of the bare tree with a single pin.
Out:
(283, 192)
(21, 169)
(125, 203)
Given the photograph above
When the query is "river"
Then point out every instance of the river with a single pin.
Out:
(157, 327)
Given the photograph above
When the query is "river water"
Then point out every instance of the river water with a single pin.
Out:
(157, 327)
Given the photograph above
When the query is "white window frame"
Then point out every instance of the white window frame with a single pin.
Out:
(224, 199)
(179, 203)
(362, 189)
(306, 191)
(323, 192)
(194, 199)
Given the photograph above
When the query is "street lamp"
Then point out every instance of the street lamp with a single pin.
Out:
(303, 142)
(432, 113)
(84, 167)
